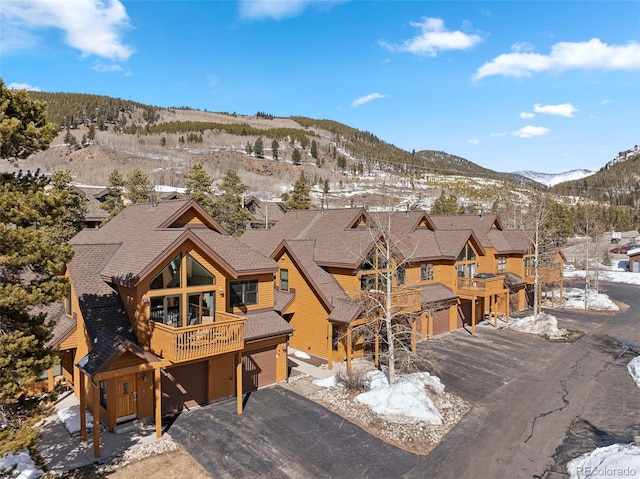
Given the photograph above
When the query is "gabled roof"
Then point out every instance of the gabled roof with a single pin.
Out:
(333, 297)
(107, 347)
(143, 235)
(339, 240)
(264, 324)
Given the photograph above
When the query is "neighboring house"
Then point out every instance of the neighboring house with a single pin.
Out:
(167, 312)
(634, 260)
(95, 196)
(443, 278)
(264, 214)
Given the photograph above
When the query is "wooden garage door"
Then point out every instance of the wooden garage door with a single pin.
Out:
(184, 387)
(258, 369)
(440, 321)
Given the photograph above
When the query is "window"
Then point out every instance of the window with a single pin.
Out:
(426, 272)
(335, 337)
(284, 280)
(67, 301)
(198, 275)
(103, 394)
(400, 275)
(169, 277)
(373, 282)
(502, 263)
(201, 307)
(244, 293)
(167, 309)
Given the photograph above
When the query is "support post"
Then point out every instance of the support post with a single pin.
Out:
(473, 317)
(157, 388)
(329, 346)
(349, 350)
(376, 346)
(413, 336)
(83, 407)
(239, 381)
(96, 420)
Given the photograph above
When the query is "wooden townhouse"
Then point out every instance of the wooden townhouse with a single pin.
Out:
(166, 312)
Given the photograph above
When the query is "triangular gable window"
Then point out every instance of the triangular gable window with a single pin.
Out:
(360, 223)
(198, 275)
(169, 277)
(467, 253)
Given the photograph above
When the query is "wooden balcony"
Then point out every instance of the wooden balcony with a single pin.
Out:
(480, 286)
(405, 300)
(225, 335)
(547, 273)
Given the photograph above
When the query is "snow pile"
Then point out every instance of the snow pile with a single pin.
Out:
(406, 401)
(544, 325)
(25, 468)
(634, 369)
(329, 382)
(70, 417)
(611, 275)
(574, 299)
(617, 460)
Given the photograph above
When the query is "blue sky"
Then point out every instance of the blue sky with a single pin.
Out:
(544, 85)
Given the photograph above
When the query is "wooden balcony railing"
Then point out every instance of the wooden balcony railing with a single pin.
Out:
(225, 335)
(480, 286)
(546, 273)
(403, 300)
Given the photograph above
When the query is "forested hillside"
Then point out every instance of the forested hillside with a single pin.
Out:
(343, 165)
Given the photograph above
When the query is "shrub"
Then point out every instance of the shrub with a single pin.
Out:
(354, 382)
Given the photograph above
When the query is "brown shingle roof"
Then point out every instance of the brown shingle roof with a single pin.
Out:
(263, 324)
(435, 293)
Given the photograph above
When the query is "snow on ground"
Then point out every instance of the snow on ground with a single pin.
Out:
(404, 402)
(574, 299)
(617, 460)
(25, 468)
(613, 274)
(299, 354)
(634, 369)
(70, 417)
(544, 325)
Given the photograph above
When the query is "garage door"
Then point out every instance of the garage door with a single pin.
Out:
(258, 369)
(184, 387)
(440, 321)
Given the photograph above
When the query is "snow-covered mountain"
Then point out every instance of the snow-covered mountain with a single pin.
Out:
(551, 179)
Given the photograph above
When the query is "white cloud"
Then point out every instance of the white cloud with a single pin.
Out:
(564, 109)
(366, 99)
(531, 131)
(473, 141)
(434, 38)
(590, 55)
(93, 27)
(23, 86)
(499, 134)
(279, 9)
(526, 115)
(606, 101)
(106, 67)
(522, 47)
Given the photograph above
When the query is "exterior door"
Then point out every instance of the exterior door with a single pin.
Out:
(126, 396)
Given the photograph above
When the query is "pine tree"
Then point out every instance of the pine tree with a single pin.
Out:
(228, 207)
(37, 218)
(299, 198)
(258, 147)
(274, 149)
(446, 205)
(23, 126)
(114, 198)
(295, 157)
(199, 187)
(314, 149)
(138, 187)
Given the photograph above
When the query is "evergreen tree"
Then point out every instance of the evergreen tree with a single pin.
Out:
(446, 205)
(299, 198)
(36, 221)
(199, 187)
(314, 149)
(295, 157)
(91, 134)
(258, 147)
(248, 148)
(138, 187)
(114, 198)
(228, 207)
(23, 126)
(274, 149)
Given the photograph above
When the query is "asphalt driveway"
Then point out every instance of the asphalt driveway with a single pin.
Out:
(536, 405)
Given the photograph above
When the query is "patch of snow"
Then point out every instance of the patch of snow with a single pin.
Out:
(329, 382)
(300, 354)
(70, 417)
(613, 276)
(575, 299)
(405, 402)
(25, 468)
(634, 369)
(544, 325)
(617, 460)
